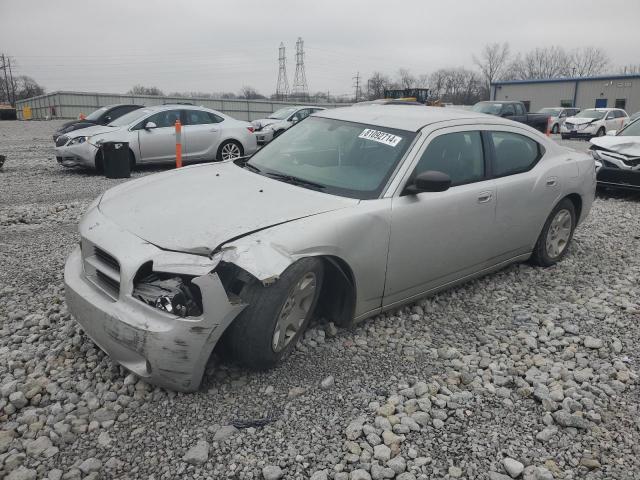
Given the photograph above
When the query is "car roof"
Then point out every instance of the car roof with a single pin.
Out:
(404, 117)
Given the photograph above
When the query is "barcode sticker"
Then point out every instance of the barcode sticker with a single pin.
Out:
(380, 137)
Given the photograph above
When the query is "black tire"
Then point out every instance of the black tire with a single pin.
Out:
(555, 129)
(219, 155)
(249, 339)
(132, 160)
(601, 132)
(541, 256)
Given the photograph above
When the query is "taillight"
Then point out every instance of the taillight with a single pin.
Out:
(251, 129)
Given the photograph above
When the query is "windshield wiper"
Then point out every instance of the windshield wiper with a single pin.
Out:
(296, 180)
(251, 167)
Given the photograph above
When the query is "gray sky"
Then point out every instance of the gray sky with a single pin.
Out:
(221, 45)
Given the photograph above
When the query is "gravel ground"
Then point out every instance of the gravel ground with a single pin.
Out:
(527, 373)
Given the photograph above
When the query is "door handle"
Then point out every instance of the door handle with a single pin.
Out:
(213, 130)
(484, 197)
(552, 181)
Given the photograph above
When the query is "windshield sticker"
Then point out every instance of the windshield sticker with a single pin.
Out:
(380, 137)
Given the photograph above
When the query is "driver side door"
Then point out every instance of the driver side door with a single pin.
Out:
(439, 237)
(158, 144)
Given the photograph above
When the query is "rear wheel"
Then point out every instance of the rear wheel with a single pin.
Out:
(553, 243)
(276, 316)
(230, 150)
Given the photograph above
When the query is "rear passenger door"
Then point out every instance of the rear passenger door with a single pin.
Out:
(527, 190)
(438, 237)
(202, 134)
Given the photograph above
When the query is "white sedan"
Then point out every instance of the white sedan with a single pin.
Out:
(150, 132)
(279, 121)
(593, 122)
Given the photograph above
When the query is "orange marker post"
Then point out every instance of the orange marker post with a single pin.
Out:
(178, 144)
(548, 132)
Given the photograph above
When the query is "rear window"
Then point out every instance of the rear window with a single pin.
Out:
(514, 153)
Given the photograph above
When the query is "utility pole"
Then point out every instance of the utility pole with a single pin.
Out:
(6, 82)
(13, 85)
(357, 86)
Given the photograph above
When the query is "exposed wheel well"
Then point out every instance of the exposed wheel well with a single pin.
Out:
(337, 299)
(577, 203)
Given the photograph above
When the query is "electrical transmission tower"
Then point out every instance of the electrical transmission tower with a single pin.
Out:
(356, 85)
(300, 88)
(282, 90)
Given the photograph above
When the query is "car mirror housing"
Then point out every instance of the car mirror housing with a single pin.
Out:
(429, 181)
(150, 125)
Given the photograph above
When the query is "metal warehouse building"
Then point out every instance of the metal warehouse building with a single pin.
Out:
(620, 91)
(72, 104)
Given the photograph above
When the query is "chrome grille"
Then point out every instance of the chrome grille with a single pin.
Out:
(101, 268)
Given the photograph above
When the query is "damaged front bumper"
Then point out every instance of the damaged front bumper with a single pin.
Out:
(77, 155)
(163, 348)
(617, 170)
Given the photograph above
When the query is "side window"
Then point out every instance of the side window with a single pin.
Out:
(196, 117)
(508, 109)
(520, 109)
(161, 119)
(610, 116)
(301, 114)
(514, 153)
(215, 118)
(460, 155)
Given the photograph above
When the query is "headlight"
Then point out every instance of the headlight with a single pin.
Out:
(173, 294)
(585, 126)
(78, 140)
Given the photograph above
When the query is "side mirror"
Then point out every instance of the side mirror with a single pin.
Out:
(150, 125)
(612, 133)
(107, 119)
(429, 181)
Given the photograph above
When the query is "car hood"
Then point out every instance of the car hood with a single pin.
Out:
(77, 124)
(196, 209)
(581, 121)
(625, 145)
(91, 131)
(263, 122)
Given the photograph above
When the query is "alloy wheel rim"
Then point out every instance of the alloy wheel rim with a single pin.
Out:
(294, 312)
(230, 151)
(559, 233)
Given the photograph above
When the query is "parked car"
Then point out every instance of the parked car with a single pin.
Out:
(150, 131)
(101, 116)
(268, 128)
(557, 116)
(593, 122)
(515, 111)
(247, 251)
(617, 157)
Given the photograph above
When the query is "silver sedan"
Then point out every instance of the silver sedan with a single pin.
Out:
(354, 211)
(150, 132)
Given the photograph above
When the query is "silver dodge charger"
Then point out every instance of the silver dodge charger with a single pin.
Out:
(351, 212)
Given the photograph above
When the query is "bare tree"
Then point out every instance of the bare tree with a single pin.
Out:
(376, 85)
(492, 62)
(547, 62)
(630, 69)
(142, 90)
(24, 86)
(406, 79)
(456, 85)
(250, 93)
(588, 61)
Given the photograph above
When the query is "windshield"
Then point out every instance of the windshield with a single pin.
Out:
(130, 117)
(487, 107)
(96, 115)
(282, 113)
(554, 112)
(342, 158)
(631, 130)
(590, 114)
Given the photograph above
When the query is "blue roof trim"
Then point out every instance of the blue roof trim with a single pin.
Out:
(572, 79)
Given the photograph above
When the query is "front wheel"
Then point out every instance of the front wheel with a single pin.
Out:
(276, 316)
(230, 150)
(600, 132)
(553, 243)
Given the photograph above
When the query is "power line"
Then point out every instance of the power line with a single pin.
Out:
(282, 89)
(356, 85)
(300, 87)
